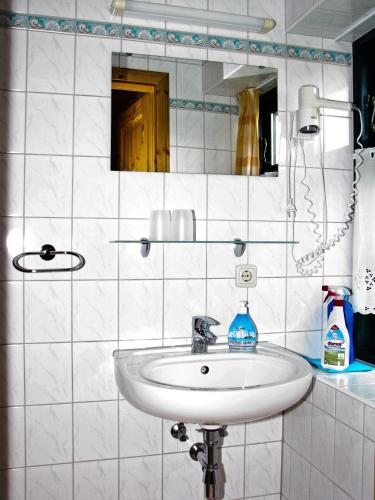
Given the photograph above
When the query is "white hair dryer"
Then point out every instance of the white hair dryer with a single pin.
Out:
(309, 102)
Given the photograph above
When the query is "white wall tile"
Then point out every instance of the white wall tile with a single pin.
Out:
(92, 127)
(12, 437)
(57, 136)
(132, 474)
(190, 160)
(267, 197)
(267, 304)
(140, 193)
(12, 483)
(11, 182)
(350, 411)
(64, 8)
(217, 131)
(301, 73)
(297, 428)
(93, 371)
(218, 162)
(95, 430)
(306, 343)
(323, 397)
(11, 312)
(48, 373)
(303, 304)
(337, 82)
(48, 434)
(338, 143)
(299, 477)
(186, 191)
(180, 477)
(47, 311)
(340, 495)
(227, 197)
(267, 429)
(141, 309)
(140, 433)
(223, 301)
(94, 65)
(233, 460)
(368, 469)
(221, 260)
(11, 375)
(132, 264)
(320, 486)
(189, 81)
(53, 481)
(12, 245)
(227, 6)
(348, 460)
(95, 10)
(96, 480)
(186, 260)
(190, 128)
(269, 259)
(13, 59)
(95, 307)
(262, 469)
(95, 188)
(54, 231)
(183, 299)
(91, 238)
(322, 441)
(12, 122)
(48, 186)
(50, 62)
(368, 422)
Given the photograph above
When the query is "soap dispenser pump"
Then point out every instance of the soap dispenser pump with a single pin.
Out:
(242, 334)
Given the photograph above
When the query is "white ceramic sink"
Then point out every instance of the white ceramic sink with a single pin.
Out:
(171, 383)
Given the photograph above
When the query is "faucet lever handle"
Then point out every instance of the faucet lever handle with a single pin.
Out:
(201, 325)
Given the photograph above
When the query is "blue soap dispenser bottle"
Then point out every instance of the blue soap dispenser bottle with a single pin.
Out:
(242, 334)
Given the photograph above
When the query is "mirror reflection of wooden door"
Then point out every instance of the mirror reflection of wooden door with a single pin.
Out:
(142, 124)
(136, 136)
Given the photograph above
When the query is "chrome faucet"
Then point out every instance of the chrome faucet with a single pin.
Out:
(201, 334)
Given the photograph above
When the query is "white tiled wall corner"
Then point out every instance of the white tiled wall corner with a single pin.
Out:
(72, 200)
(341, 462)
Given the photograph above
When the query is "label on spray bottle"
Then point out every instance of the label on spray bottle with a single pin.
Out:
(334, 347)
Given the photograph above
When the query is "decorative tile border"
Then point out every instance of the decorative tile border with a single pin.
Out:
(13, 20)
(211, 107)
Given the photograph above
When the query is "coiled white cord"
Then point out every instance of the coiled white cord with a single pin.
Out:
(312, 262)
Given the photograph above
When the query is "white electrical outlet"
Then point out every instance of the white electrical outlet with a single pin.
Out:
(246, 275)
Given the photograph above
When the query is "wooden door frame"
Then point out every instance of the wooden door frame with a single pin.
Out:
(155, 83)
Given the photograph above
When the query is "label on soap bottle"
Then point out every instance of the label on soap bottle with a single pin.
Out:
(240, 338)
(334, 347)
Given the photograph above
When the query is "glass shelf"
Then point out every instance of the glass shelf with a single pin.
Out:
(239, 244)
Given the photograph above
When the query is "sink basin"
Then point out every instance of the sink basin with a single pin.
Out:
(219, 387)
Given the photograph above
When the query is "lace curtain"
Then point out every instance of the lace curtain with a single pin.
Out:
(364, 238)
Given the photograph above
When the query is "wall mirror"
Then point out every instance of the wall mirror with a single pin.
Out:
(190, 116)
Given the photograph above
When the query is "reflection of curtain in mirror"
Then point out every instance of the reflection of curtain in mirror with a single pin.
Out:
(247, 155)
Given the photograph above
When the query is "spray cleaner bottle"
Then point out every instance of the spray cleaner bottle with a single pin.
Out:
(337, 338)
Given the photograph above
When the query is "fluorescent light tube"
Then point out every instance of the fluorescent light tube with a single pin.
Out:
(174, 12)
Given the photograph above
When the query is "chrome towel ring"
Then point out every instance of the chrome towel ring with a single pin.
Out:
(48, 252)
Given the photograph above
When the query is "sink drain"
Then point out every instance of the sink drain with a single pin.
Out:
(205, 370)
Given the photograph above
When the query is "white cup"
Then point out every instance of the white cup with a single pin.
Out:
(160, 225)
(183, 227)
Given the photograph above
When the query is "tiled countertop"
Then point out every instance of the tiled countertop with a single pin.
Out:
(360, 385)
